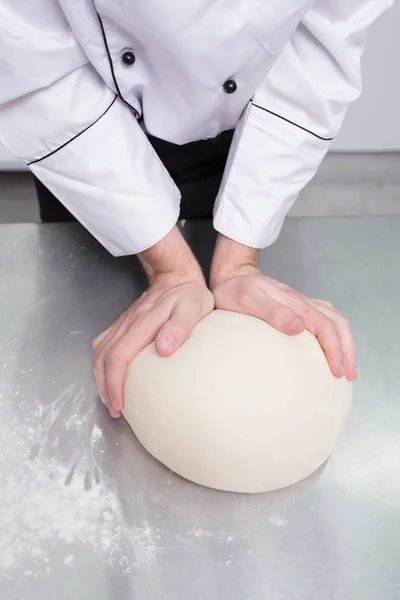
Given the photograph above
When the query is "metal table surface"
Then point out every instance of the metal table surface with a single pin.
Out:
(87, 513)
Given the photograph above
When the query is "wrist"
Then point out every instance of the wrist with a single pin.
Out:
(231, 258)
(171, 256)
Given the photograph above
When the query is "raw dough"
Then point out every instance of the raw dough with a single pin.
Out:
(240, 407)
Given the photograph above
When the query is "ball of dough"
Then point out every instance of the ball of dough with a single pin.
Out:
(239, 407)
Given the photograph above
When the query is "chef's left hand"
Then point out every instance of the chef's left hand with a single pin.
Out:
(238, 285)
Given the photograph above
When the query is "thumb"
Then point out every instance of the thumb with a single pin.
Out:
(176, 330)
(278, 315)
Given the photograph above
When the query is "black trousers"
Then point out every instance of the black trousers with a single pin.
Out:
(196, 168)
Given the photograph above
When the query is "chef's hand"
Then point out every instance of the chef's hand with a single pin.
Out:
(238, 285)
(176, 300)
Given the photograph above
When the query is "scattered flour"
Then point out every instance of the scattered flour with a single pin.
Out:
(219, 535)
(46, 502)
(97, 433)
(54, 495)
(42, 505)
(278, 521)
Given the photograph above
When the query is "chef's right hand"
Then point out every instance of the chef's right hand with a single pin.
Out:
(176, 300)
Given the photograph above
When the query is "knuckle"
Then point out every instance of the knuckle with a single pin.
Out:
(308, 312)
(344, 321)
(324, 302)
(295, 293)
(142, 309)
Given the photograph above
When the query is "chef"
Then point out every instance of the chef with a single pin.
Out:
(131, 114)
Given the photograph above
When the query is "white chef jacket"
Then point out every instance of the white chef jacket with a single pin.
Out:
(82, 80)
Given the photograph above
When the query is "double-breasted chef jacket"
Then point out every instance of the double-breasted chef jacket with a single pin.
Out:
(82, 81)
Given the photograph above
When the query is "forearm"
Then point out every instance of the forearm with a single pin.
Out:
(229, 257)
(170, 255)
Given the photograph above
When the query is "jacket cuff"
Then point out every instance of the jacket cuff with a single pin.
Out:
(112, 181)
(270, 162)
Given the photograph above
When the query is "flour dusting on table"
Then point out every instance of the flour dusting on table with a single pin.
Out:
(46, 501)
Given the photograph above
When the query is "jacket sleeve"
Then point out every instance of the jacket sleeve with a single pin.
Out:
(286, 130)
(78, 138)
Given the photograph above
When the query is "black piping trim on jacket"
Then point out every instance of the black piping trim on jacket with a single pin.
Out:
(103, 32)
(75, 136)
(295, 124)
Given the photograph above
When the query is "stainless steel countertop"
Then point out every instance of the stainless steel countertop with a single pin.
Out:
(86, 513)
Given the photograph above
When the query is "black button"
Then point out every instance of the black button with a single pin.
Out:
(230, 86)
(128, 58)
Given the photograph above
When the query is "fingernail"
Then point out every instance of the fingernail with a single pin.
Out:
(294, 324)
(114, 414)
(167, 343)
(341, 368)
(356, 371)
(102, 399)
(114, 405)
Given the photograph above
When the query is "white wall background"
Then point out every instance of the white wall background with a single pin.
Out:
(373, 122)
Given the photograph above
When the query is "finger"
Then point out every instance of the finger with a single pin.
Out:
(284, 319)
(321, 302)
(315, 322)
(104, 338)
(178, 328)
(114, 414)
(107, 339)
(115, 332)
(139, 335)
(101, 337)
(325, 331)
(321, 326)
(278, 315)
(99, 375)
(101, 388)
(349, 356)
(314, 300)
